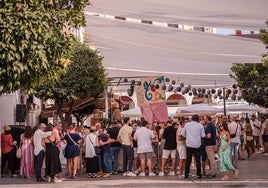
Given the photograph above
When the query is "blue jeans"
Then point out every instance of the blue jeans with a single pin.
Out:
(107, 161)
(114, 154)
(38, 163)
(234, 150)
(128, 157)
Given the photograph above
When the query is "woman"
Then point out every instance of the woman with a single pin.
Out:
(53, 164)
(8, 152)
(92, 160)
(225, 153)
(72, 152)
(249, 139)
(27, 157)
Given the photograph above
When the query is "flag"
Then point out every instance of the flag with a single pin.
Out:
(151, 99)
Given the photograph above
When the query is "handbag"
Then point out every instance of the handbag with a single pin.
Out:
(234, 134)
(18, 152)
(96, 148)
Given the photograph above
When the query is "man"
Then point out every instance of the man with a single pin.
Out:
(144, 138)
(234, 127)
(169, 148)
(136, 160)
(193, 132)
(39, 150)
(210, 144)
(115, 146)
(256, 128)
(124, 136)
(181, 148)
(106, 159)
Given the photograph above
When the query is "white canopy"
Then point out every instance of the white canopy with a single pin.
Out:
(242, 107)
(136, 112)
(200, 109)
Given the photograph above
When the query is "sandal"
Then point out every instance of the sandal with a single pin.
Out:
(224, 178)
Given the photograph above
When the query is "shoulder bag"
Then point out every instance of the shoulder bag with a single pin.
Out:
(234, 134)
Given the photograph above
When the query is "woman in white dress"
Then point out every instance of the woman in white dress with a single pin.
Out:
(92, 159)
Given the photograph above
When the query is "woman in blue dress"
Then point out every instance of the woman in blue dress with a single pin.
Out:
(72, 151)
(225, 153)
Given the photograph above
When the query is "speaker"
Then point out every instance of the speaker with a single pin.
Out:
(20, 112)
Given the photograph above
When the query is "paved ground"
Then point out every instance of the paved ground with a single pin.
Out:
(253, 173)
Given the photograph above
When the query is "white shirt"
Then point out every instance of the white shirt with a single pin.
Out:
(180, 142)
(124, 135)
(256, 131)
(90, 142)
(37, 140)
(232, 128)
(144, 138)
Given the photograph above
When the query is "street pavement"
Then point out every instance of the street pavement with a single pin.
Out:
(253, 173)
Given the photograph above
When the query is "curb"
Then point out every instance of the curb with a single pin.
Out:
(183, 27)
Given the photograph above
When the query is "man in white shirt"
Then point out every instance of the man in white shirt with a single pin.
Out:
(193, 132)
(256, 128)
(144, 138)
(39, 150)
(235, 128)
(125, 137)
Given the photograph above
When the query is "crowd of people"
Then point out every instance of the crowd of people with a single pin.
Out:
(138, 148)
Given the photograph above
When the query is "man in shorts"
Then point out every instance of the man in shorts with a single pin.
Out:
(144, 138)
(169, 149)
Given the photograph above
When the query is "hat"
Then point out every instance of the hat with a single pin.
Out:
(93, 128)
(6, 128)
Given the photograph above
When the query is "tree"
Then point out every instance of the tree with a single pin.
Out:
(85, 76)
(252, 78)
(35, 40)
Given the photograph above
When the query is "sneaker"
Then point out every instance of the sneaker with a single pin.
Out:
(137, 171)
(161, 174)
(131, 174)
(265, 154)
(181, 176)
(190, 174)
(171, 173)
(142, 174)
(115, 173)
(152, 174)
(211, 176)
(125, 174)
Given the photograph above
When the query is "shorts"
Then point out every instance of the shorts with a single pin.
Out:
(147, 155)
(166, 153)
(182, 151)
(135, 152)
(265, 138)
(256, 138)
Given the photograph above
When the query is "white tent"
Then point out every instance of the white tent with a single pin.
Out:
(242, 107)
(200, 109)
(136, 112)
(133, 112)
